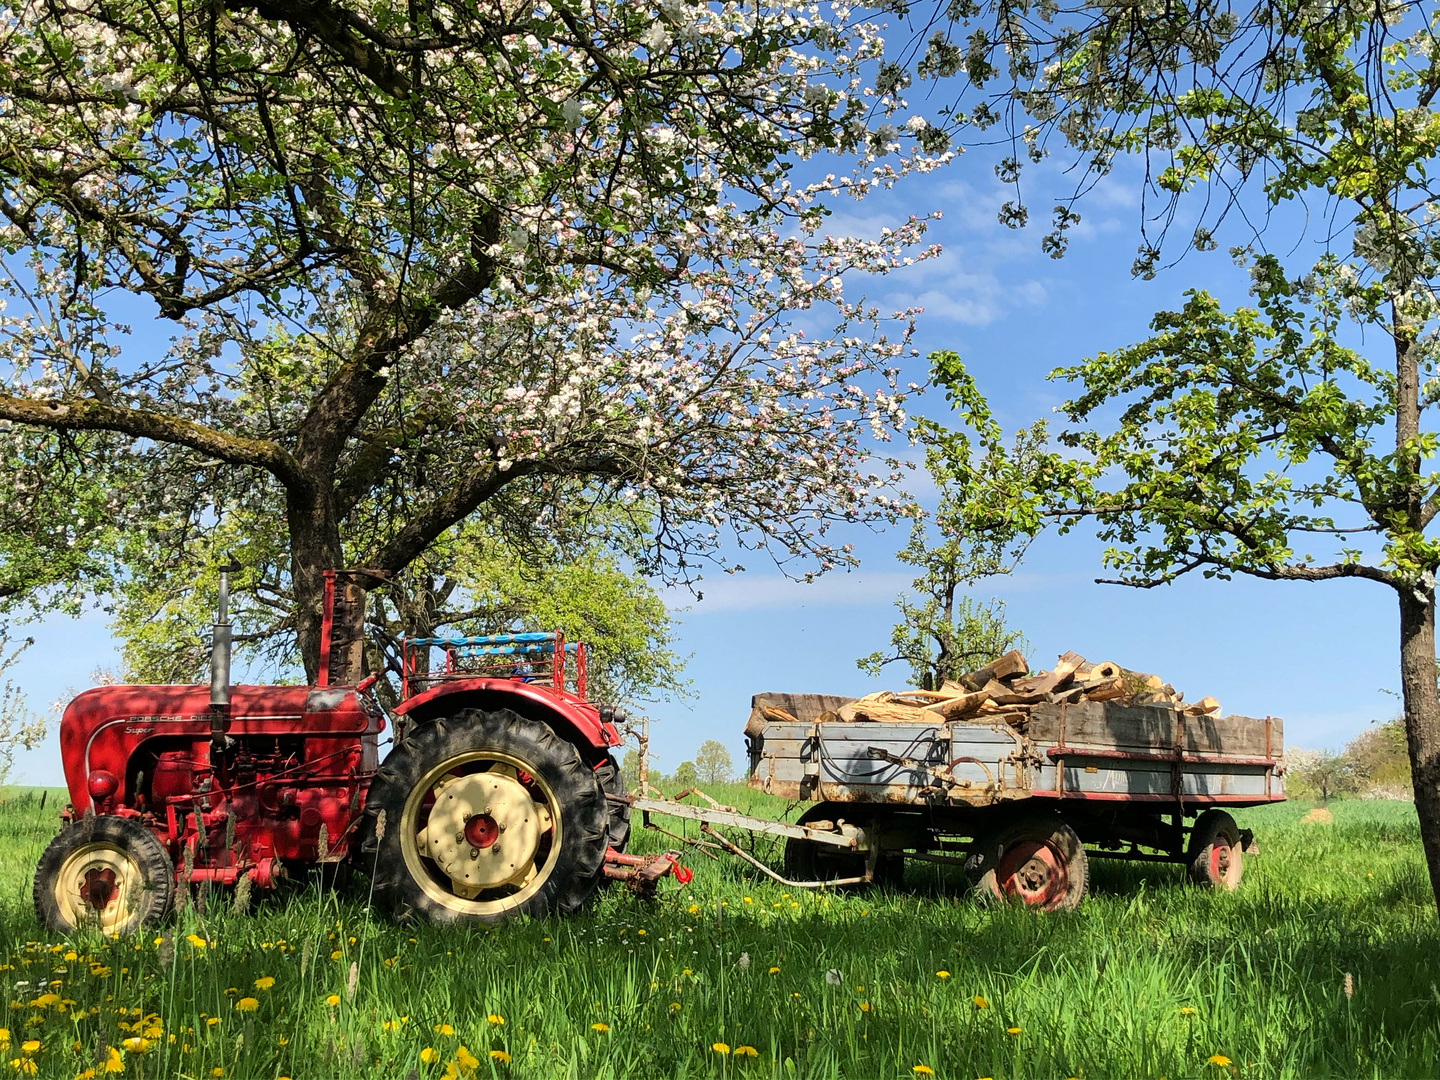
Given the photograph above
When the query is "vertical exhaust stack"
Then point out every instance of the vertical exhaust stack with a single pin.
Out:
(220, 664)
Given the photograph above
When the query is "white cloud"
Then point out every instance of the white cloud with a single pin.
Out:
(753, 592)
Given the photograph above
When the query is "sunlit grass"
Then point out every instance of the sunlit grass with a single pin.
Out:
(735, 976)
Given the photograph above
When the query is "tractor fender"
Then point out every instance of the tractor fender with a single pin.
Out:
(572, 718)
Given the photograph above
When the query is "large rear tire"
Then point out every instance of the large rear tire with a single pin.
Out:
(1213, 854)
(612, 782)
(1035, 860)
(486, 815)
(108, 872)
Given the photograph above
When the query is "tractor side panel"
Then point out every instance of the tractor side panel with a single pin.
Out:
(571, 716)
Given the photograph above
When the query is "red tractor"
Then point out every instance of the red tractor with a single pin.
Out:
(491, 801)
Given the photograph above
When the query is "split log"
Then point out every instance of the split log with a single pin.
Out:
(772, 713)
(1057, 678)
(1005, 695)
(956, 707)
(1204, 707)
(1011, 664)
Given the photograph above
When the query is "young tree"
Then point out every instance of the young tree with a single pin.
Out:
(686, 775)
(1323, 773)
(712, 763)
(946, 633)
(415, 257)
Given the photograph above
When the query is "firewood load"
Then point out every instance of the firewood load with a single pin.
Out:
(1004, 690)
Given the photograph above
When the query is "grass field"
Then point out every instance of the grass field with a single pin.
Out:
(737, 977)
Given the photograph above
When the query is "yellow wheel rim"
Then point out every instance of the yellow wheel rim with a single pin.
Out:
(487, 841)
(99, 885)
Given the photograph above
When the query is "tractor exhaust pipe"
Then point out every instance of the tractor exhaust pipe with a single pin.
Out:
(220, 664)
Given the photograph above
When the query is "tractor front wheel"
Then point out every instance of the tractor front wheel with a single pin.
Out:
(111, 873)
(481, 816)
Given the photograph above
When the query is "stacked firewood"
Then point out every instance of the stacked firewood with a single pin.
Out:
(1004, 690)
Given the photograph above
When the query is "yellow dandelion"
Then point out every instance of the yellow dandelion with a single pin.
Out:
(282, 1041)
(719, 1047)
(467, 1061)
(30, 1046)
(196, 940)
(1013, 1030)
(136, 1045)
(602, 1028)
(864, 1006)
(1219, 1061)
(428, 1055)
(774, 971)
(211, 1021)
(332, 1000)
(674, 1006)
(114, 1062)
(980, 1002)
(217, 1072)
(942, 974)
(693, 909)
(336, 955)
(24, 1065)
(922, 1070)
(748, 900)
(496, 1019)
(247, 1004)
(501, 1056)
(265, 982)
(4, 1036)
(391, 1025)
(684, 971)
(746, 1051)
(443, 1029)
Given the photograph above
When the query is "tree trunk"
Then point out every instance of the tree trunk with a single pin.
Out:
(314, 548)
(1422, 718)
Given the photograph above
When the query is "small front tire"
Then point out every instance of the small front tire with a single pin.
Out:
(108, 872)
(1037, 860)
(1213, 854)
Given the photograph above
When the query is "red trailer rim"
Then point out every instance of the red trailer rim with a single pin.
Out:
(1034, 871)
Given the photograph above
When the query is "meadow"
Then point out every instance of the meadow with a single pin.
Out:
(1323, 963)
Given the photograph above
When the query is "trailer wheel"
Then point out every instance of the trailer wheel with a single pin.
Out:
(806, 860)
(108, 872)
(486, 815)
(1214, 851)
(1038, 861)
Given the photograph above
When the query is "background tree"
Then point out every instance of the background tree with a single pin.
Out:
(713, 764)
(686, 775)
(20, 728)
(943, 633)
(415, 267)
(1323, 774)
(1381, 759)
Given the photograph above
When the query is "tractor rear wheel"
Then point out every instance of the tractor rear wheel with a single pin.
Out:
(612, 782)
(481, 816)
(108, 872)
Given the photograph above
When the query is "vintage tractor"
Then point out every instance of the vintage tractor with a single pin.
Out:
(492, 800)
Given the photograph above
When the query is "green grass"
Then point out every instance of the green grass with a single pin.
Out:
(1103, 992)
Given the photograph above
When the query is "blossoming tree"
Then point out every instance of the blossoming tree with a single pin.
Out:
(419, 259)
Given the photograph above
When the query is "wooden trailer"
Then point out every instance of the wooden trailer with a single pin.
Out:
(1021, 798)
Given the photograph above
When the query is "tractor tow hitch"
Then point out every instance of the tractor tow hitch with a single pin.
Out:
(642, 873)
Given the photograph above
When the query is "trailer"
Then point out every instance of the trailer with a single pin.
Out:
(1021, 807)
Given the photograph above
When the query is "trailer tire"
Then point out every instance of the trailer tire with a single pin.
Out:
(104, 871)
(806, 860)
(1213, 854)
(523, 833)
(1036, 860)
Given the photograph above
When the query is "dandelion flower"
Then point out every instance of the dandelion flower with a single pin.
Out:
(24, 1065)
(922, 1070)
(774, 971)
(211, 1021)
(444, 1029)
(265, 982)
(694, 909)
(602, 1028)
(336, 955)
(428, 1055)
(196, 940)
(1218, 1060)
(136, 1045)
(30, 1046)
(942, 974)
(467, 1061)
(674, 1006)
(864, 1006)
(980, 1002)
(746, 1051)
(114, 1062)
(501, 1056)
(390, 1025)
(217, 1072)
(332, 1000)
(1013, 1030)
(496, 1019)
(720, 1048)
(247, 1004)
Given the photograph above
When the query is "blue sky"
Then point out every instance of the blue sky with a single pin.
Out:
(1318, 655)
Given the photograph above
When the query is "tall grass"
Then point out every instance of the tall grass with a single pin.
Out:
(1150, 978)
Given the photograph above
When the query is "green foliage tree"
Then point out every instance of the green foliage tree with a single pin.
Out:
(712, 763)
(686, 775)
(1250, 441)
(943, 633)
(1323, 774)
(1382, 759)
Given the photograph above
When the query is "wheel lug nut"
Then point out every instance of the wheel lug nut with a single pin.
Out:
(502, 826)
(474, 853)
(459, 837)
